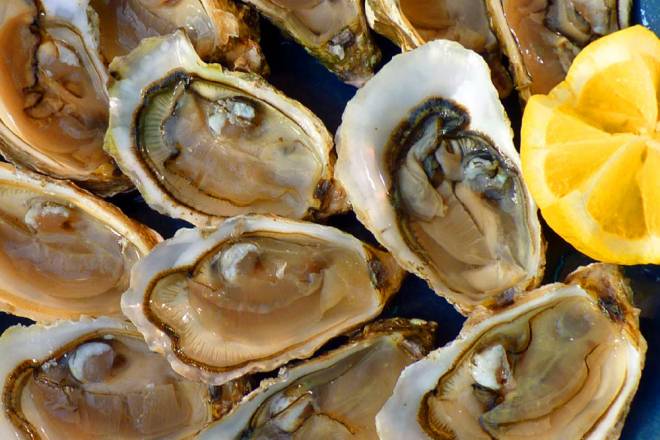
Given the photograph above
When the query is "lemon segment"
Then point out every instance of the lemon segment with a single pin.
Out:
(590, 150)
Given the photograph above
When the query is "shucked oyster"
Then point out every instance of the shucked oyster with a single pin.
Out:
(335, 396)
(334, 31)
(97, 379)
(201, 143)
(63, 252)
(409, 24)
(427, 160)
(53, 101)
(562, 363)
(541, 37)
(221, 30)
(254, 294)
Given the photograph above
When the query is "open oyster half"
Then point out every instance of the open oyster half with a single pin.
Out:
(53, 101)
(334, 396)
(97, 379)
(202, 143)
(63, 251)
(334, 31)
(221, 30)
(562, 362)
(409, 24)
(254, 294)
(541, 37)
(427, 160)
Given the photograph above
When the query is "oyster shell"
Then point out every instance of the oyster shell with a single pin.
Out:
(254, 294)
(97, 379)
(223, 31)
(53, 103)
(334, 31)
(429, 166)
(541, 37)
(410, 24)
(63, 252)
(202, 143)
(563, 362)
(333, 396)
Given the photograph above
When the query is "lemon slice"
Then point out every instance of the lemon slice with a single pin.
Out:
(590, 150)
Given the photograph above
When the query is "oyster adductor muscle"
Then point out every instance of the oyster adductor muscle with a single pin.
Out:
(96, 378)
(561, 362)
(335, 395)
(255, 293)
(63, 252)
(430, 168)
(202, 143)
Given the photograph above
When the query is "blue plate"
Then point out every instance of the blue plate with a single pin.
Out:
(302, 78)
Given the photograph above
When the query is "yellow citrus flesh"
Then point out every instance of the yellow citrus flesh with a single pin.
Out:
(591, 150)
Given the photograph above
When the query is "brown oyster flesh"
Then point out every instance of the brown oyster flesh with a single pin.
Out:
(464, 21)
(54, 254)
(462, 204)
(208, 143)
(258, 296)
(550, 33)
(536, 375)
(337, 394)
(221, 30)
(53, 92)
(108, 384)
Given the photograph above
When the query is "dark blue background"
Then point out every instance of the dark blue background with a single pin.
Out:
(302, 78)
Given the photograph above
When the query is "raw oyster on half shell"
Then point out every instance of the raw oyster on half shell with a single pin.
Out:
(333, 396)
(223, 31)
(63, 252)
(334, 31)
(53, 101)
(562, 362)
(97, 379)
(255, 293)
(427, 160)
(541, 37)
(410, 23)
(202, 143)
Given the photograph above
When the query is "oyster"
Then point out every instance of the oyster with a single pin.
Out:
(334, 31)
(429, 166)
(410, 24)
(63, 252)
(97, 379)
(541, 37)
(254, 294)
(563, 362)
(53, 103)
(334, 396)
(202, 144)
(221, 30)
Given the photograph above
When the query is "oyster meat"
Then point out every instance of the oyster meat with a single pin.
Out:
(334, 396)
(334, 31)
(254, 294)
(409, 24)
(221, 30)
(563, 362)
(53, 101)
(429, 166)
(202, 143)
(63, 252)
(97, 379)
(541, 37)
